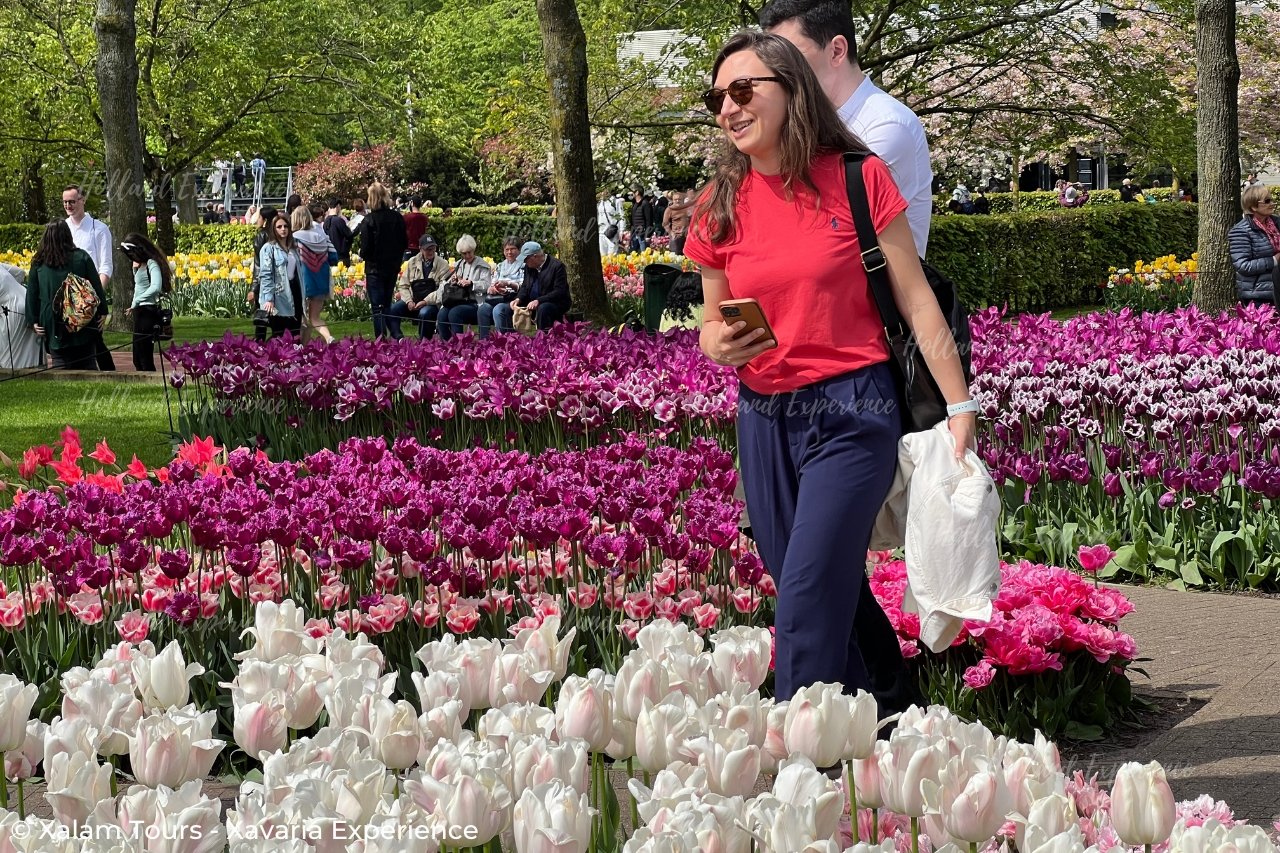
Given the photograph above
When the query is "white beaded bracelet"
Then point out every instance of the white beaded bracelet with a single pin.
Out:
(962, 408)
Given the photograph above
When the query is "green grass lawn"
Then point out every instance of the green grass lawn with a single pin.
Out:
(131, 416)
(187, 329)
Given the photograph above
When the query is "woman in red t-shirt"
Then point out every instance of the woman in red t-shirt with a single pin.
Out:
(818, 416)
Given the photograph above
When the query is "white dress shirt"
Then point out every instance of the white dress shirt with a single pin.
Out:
(894, 134)
(94, 237)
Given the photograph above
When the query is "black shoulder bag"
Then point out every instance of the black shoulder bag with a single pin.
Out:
(923, 405)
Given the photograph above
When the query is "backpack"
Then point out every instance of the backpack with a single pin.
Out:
(76, 303)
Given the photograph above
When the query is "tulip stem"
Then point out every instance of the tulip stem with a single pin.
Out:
(853, 801)
(915, 835)
(631, 798)
(22, 804)
(114, 789)
(4, 785)
(875, 826)
(973, 847)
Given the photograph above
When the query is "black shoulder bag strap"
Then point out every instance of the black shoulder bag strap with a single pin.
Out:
(873, 260)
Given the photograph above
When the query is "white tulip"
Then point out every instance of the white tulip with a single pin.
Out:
(660, 734)
(260, 726)
(112, 709)
(775, 742)
(164, 681)
(76, 785)
(692, 675)
(647, 840)
(1029, 779)
(1142, 805)
(639, 679)
(16, 699)
(403, 827)
(443, 722)
(349, 700)
(553, 818)
(22, 763)
(1050, 815)
(471, 660)
(36, 835)
(1043, 840)
(498, 724)
(174, 747)
(185, 820)
(622, 740)
(340, 649)
(478, 800)
(550, 651)
(923, 721)
(279, 630)
(741, 656)
(864, 722)
(971, 797)
(394, 733)
(536, 760)
(672, 786)
(584, 710)
(908, 760)
(1213, 836)
(739, 708)
(731, 761)
(438, 688)
(517, 677)
(817, 724)
(866, 779)
(71, 736)
(660, 639)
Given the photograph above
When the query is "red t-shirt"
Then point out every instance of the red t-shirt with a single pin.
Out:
(415, 225)
(804, 266)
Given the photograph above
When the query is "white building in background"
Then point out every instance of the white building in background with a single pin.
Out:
(664, 49)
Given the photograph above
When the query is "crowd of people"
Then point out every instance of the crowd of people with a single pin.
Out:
(295, 249)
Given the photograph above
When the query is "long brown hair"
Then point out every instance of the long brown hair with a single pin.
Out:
(811, 128)
(56, 246)
(287, 242)
(138, 248)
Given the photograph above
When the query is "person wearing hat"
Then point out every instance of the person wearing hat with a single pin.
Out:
(545, 291)
(418, 290)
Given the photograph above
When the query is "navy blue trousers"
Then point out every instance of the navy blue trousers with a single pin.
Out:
(817, 464)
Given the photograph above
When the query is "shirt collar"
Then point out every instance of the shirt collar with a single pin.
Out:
(854, 105)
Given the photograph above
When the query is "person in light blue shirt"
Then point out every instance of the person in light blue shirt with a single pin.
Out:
(507, 279)
(152, 277)
(277, 273)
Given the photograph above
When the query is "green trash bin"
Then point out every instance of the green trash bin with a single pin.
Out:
(658, 279)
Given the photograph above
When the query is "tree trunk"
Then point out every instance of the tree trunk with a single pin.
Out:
(1217, 149)
(162, 200)
(188, 204)
(564, 51)
(117, 79)
(34, 206)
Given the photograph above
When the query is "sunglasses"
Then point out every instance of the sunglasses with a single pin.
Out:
(741, 90)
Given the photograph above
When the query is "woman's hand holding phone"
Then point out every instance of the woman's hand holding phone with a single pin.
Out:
(743, 334)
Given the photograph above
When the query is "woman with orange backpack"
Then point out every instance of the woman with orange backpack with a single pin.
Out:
(65, 300)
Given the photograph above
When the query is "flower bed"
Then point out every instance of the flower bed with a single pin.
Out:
(495, 748)
(559, 387)
(1046, 620)
(1155, 433)
(408, 543)
(1161, 285)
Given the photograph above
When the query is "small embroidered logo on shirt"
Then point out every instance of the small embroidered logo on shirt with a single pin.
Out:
(835, 224)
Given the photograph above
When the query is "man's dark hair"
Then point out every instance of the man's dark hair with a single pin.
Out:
(819, 20)
(335, 202)
(415, 202)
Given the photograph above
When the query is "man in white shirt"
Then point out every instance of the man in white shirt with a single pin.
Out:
(823, 31)
(94, 237)
(88, 233)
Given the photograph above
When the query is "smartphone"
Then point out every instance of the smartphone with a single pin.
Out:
(747, 310)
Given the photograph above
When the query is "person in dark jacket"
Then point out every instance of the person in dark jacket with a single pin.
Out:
(382, 244)
(545, 288)
(641, 221)
(56, 259)
(335, 225)
(1254, 242)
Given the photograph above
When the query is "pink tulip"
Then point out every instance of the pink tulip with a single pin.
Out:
(133, 626)
(1094, 557)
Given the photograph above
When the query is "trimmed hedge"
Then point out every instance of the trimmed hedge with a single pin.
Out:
(1044, 261)
(1027, 261)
